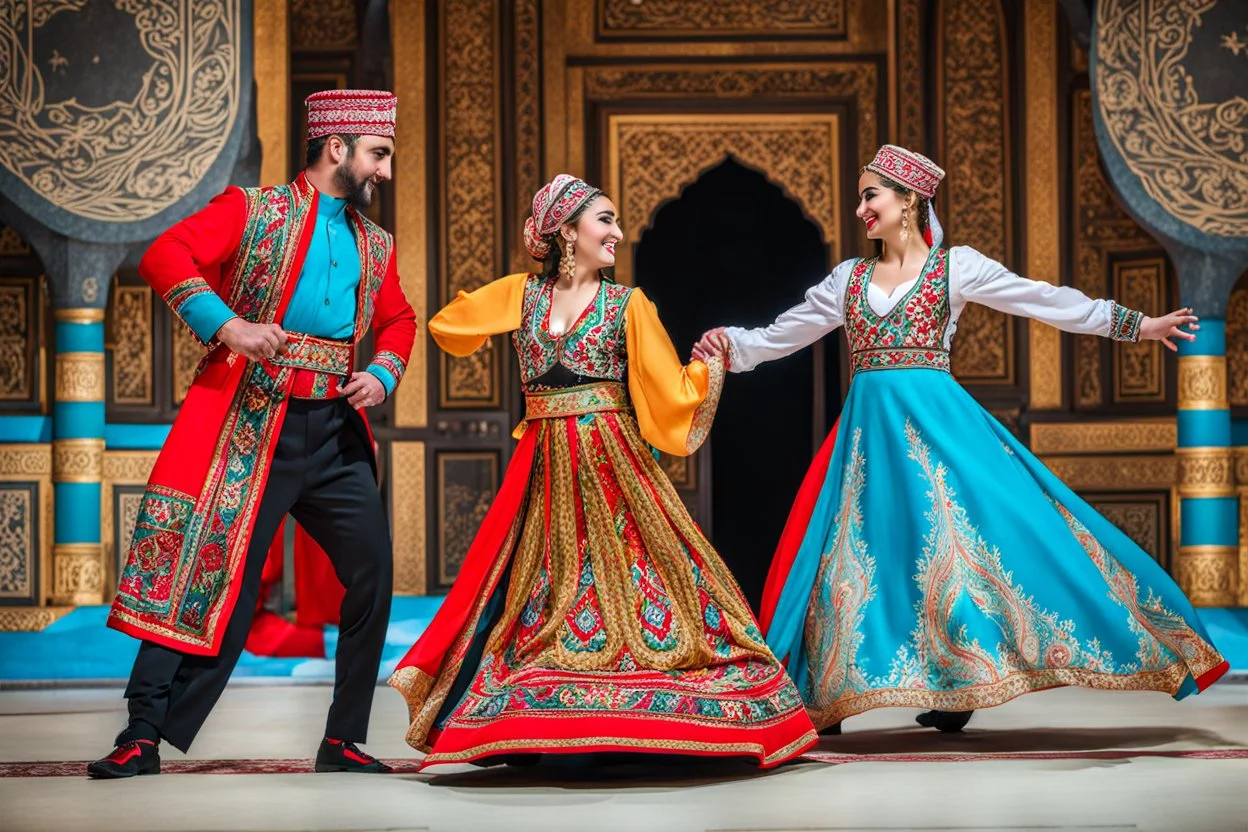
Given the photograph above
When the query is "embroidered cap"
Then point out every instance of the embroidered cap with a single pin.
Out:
(362, 112)
(905, 167)
(553, 204)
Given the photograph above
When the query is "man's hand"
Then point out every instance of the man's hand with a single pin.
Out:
(364, 390)
(259, 342)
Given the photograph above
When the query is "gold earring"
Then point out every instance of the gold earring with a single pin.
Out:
(569, 261)
(905, 226)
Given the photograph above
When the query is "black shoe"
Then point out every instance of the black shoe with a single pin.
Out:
(337, 755)
(129, 758)
(949, 722)
(507, 760)
(833, 730)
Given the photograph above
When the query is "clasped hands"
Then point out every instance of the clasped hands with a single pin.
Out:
(712, 344)
(263, 342)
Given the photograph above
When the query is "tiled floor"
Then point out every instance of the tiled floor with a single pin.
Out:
(989, 778)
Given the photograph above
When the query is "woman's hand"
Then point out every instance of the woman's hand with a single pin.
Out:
(1169, 326)
(713, 344)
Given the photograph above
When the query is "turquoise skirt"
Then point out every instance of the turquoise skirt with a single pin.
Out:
(933, 562)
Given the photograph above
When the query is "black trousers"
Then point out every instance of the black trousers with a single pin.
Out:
(322, 475)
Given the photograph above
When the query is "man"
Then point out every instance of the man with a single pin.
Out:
(280, 284)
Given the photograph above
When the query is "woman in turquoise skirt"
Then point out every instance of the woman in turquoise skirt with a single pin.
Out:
(930, 560)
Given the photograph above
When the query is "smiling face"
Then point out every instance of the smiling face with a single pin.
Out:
(881, 207)
(596, 232)
(361, 167)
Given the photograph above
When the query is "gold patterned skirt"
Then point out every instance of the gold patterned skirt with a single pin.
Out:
(592, 614)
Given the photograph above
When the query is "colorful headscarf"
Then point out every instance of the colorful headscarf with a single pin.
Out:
(553, 205)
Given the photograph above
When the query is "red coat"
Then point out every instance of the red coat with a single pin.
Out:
(185, 564)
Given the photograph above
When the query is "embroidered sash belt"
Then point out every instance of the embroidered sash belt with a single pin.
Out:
(899, 358)
(599, 397)
(320, 365)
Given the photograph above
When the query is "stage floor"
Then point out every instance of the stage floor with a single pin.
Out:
(1063, 759)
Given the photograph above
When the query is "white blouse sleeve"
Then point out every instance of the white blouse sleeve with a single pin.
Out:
(983, 280)
(801, 326)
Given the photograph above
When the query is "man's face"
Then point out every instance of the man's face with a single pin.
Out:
(361, 168)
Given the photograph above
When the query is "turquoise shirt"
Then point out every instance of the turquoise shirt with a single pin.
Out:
(324, 300)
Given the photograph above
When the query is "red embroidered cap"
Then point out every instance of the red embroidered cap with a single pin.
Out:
(905, 167)
(363, 112)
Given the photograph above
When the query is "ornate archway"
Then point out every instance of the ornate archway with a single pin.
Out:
(652, 157)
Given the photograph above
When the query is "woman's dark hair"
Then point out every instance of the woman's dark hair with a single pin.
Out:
(550, 266)
(923, 207)
(317, 146)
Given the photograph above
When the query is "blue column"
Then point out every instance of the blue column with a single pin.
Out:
(1239, 441)
(1208, 567)
(78, 457)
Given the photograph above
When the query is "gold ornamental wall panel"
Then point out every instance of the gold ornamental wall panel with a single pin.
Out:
(19, 345)
(1140, 368)
(976, 198)
(187, 353)
(1143, 517)
(906, 64)
(131, 342)
(19, 541)
(471, 251)
(409, 36)
(26, 501)
(690, 19)
(1126, 436)
(121, 496)
(1042, 208)
(467, 482)
(408, 517)
(651, 158)
(613, 29)
(1237, 348)
(1099, 228)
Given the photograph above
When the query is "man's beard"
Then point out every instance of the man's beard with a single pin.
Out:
(359, 192)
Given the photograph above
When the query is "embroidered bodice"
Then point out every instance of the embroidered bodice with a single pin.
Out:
(912, 333)
(926, 316)
(594, 348)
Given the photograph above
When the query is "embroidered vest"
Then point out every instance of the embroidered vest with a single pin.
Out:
(593, 349)
(912, 334)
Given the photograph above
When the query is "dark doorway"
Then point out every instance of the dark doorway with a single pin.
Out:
(733, 249)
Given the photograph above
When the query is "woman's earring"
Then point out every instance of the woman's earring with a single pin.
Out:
(569, 260)
(905, 225)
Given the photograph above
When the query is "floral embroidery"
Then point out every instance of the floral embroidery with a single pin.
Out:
(844, 585)
(324, 355)
(958, 563)
(617, 608)
(1125, 324)
(912, 358)
(912, 334)
(700, 427)
(269, 246)
(375, 247)
(594, 346)
(147, 579)
(214, 541)
(576, 401)
(1162, 633)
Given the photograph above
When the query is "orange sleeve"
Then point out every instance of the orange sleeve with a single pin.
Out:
(467, 322)
(675, 403)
